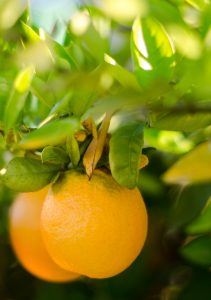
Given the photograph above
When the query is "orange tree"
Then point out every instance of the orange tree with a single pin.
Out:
(111, 85)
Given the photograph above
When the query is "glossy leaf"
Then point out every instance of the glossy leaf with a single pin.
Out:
(124, 155)
(54, 155)
(152, 51)
(28, 174)
(198, 251)
(191, 168)
(52, 134)
(202, 223)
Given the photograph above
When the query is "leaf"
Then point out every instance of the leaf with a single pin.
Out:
(28, 174)
(23, 80)
(18, 97)
(125, 78)
(93, 35)
(198, 251)
(152, 51)
(168, 141)
(189, 204)
(52, 134)
(124, 11)
(95, 148)
(30, 33)
(61, 52)
(191, 168)
(202, 223)
(54, 155)
(184, 122)
(73, 150)
(124, 155)
(43, 92)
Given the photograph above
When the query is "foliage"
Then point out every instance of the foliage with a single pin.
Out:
(148, 65)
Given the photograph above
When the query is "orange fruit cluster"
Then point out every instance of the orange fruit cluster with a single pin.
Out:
(94, 228)
(26, 238)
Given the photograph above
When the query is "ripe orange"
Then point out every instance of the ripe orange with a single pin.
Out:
(26, 238)
(93, 227)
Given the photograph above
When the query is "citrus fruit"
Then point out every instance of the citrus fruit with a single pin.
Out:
(26, 238)
(93, 227)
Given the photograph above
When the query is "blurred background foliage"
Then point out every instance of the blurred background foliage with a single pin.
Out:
(150, 61)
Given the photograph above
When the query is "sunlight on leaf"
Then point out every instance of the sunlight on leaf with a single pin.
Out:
(39, 54)
(52, 134)
(192, 168)
(10, 12)
(186, 41)
(125, 77)
(23, 80)
(18, 97)
(80, 22)
(30, 33)
(124, 10)
(152, 51)
(168, 141)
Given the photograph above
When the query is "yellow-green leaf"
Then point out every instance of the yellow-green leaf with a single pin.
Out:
(51, 134)
(73, 150)
(192, 168)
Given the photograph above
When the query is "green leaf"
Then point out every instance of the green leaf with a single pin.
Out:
(198, 251)
(2, 142)
(124, 11)
(125, 78)
(93, 35)
(51, 134)
(202, 223)
(152, 51)
(124, 155)
(191, 168)
(43, 92)
(28, 174)
(199, 4)
(54, 155)
(30, 33)
(73, 150)
(61, 52)
(167, 141)
(23, 80)
(184, 122)
(189, 204)
(18, 97)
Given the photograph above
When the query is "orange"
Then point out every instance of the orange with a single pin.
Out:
(93, 227)
(26, 238)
